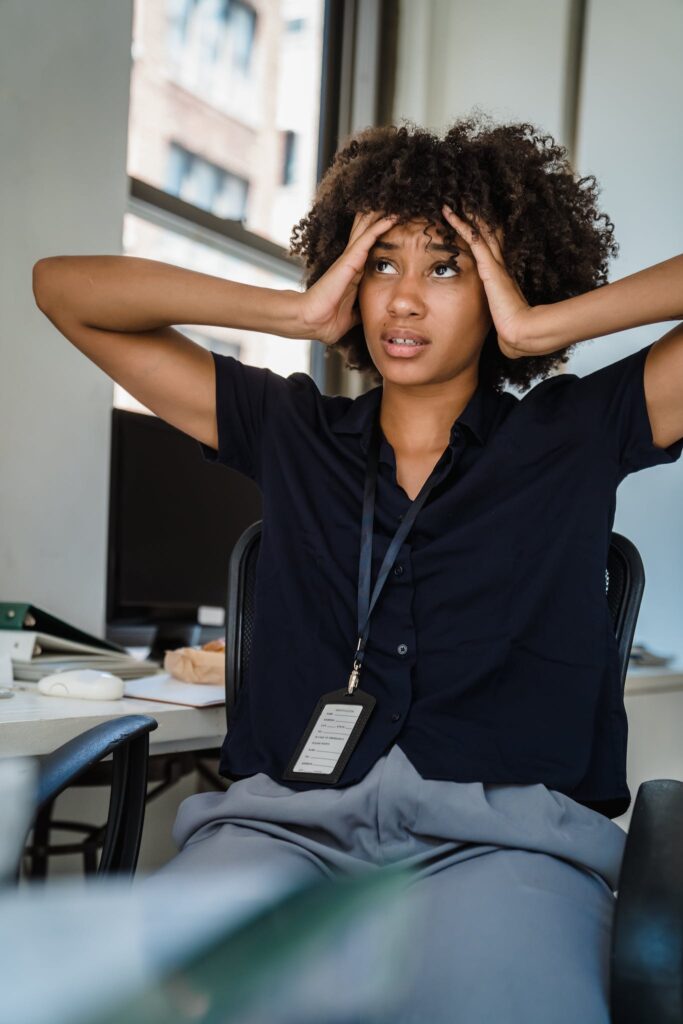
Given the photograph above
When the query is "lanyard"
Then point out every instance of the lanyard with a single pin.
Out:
(340, 717)
(365, 605)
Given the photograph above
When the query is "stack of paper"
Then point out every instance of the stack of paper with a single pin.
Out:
(35, 655)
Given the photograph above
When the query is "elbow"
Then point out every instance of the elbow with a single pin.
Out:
(42, 274)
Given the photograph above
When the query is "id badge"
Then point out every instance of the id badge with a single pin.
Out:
(330, 737)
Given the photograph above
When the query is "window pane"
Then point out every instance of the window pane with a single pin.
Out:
(283, 355)
(224, 108)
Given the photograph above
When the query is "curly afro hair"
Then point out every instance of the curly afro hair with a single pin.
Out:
(556, 242)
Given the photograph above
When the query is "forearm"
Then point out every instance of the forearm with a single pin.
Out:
(653, 295)
(126, 293)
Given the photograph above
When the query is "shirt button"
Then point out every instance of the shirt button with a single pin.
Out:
(400, 517)
(395, 717)
(398, 570)
(402, 648)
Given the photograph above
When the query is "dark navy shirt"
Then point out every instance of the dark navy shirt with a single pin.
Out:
(491, 652)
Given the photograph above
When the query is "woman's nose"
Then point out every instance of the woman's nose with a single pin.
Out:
(406, 296)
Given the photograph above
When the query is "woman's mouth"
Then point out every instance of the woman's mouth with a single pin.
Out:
(404, 348)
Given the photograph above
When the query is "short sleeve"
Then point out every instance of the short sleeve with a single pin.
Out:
(245, 397)
(612, 403)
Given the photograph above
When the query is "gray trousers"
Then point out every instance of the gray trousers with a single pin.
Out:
(516, 881)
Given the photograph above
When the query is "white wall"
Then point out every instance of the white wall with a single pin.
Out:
(510, 59)
(631, 138)
(64, 81)
(64, 91)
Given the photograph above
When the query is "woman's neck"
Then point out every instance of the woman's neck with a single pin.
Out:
(418, 420)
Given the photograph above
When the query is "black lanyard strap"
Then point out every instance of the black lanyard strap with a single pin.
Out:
(365, 605)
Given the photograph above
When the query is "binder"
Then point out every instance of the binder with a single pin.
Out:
(39, 643)
(15, 615)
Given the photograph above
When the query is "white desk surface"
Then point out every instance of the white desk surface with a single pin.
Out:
(653, 680)
(31, 723)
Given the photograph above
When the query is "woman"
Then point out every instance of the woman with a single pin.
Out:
(436, 681)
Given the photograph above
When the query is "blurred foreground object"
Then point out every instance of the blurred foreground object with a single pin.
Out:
(260, 945)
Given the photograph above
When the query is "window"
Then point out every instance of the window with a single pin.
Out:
(289, 158)
(224, 115)
(158, 242)
(201, 35)
(201, 182)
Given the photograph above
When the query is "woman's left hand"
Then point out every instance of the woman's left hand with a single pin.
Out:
(512, 315)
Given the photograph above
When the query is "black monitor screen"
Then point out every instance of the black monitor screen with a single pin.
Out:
(174, 520)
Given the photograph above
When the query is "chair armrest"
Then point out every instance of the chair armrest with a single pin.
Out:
(63, 766)
(127, 738)
(647, 937)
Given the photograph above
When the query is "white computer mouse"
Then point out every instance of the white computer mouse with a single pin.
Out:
(84, 683)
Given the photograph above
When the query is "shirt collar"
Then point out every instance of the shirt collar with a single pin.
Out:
(477, 416)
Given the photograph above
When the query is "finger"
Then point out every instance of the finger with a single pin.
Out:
(371, 232)
(472, 235)
(462, 227)
(478, 236)
(494, 238)
(356, 253)
(361, 222)
(479, 232)
(499, 237)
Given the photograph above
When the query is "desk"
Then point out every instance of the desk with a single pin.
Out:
(31, 723)
(653, 680)
(654, 705)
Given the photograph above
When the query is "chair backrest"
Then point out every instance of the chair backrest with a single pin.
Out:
(240, 613)
(625, 583)
(624, 586)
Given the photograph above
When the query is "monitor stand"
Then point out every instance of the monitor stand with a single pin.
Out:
(171, 635)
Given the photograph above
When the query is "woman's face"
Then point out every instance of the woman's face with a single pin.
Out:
(409, 287)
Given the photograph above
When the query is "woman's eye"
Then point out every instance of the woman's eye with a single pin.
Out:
(447, 266)
(440, 266)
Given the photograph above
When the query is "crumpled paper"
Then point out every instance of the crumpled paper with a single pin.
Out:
(198, 665)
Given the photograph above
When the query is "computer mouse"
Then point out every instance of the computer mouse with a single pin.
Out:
(83, 683)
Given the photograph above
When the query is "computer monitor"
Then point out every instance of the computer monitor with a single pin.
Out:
(174, 519)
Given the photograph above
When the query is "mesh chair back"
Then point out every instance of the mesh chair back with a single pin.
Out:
(624, 585)
(240, 613)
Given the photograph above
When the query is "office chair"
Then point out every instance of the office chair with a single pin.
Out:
(127, 740)
(647, 938)
(163, 772)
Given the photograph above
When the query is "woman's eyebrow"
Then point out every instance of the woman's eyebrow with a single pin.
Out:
(388, 246)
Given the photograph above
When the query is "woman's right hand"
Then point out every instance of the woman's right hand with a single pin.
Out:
(327, 308)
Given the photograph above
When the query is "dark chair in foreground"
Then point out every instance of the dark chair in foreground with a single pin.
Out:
(127, 740)
(89, 839)
(647, 939)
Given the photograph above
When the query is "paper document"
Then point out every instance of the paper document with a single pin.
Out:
(165, 688)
